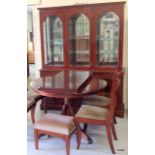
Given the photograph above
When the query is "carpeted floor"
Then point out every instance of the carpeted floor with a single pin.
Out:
(56, 146)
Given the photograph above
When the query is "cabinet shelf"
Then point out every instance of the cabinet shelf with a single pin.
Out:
(81, 37)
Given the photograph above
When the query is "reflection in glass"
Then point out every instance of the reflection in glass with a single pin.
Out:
(79, 37)
(65, 80)
(107, 39)
(53, 40)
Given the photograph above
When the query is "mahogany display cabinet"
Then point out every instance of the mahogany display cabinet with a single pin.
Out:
(83, 37)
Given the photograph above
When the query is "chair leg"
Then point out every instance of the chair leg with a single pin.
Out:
(78, 135)
(110, 138)
(113, 131)
(33, 114)
(36, 138)
(67, 142)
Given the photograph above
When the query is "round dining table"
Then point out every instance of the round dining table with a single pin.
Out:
(67, 85)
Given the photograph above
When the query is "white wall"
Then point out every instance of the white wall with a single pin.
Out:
(37, 43)
(32, 2)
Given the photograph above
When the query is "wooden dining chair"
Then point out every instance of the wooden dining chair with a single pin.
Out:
(100, 100)
(89, 114)
(55, 125)
(32, 99)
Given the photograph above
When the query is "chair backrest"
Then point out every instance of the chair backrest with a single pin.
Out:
(116, 74)
(114, 88)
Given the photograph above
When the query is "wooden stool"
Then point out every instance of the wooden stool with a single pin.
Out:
(55, 125)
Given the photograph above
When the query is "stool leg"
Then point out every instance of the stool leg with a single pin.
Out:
(78, 135)
(67, 142)
(36, 138)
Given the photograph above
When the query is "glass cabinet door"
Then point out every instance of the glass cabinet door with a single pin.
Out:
(107, 39)
(79, 40)
(53, 41)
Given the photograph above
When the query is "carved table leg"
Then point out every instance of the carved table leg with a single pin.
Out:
(67, 109)
(64, 107)
(86, 136)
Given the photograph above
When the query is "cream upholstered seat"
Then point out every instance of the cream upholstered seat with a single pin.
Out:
(30, 103)
(31, 94)
(91, 112)
(31, 99)
(55, 123)
(96, 100)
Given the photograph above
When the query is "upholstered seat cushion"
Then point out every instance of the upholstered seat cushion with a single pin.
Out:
(96, 100)
(92, 112)
(30, 103)
(31, 95)
(56, 123)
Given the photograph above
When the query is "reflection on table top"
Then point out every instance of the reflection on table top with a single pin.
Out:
(68, 82)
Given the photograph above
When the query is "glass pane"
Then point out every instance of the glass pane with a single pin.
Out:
(79, 37)
(107, 39)
(53, 41)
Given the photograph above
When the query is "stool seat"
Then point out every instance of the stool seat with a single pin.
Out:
(56, 123)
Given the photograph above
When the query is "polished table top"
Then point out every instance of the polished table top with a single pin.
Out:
(70, 83)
